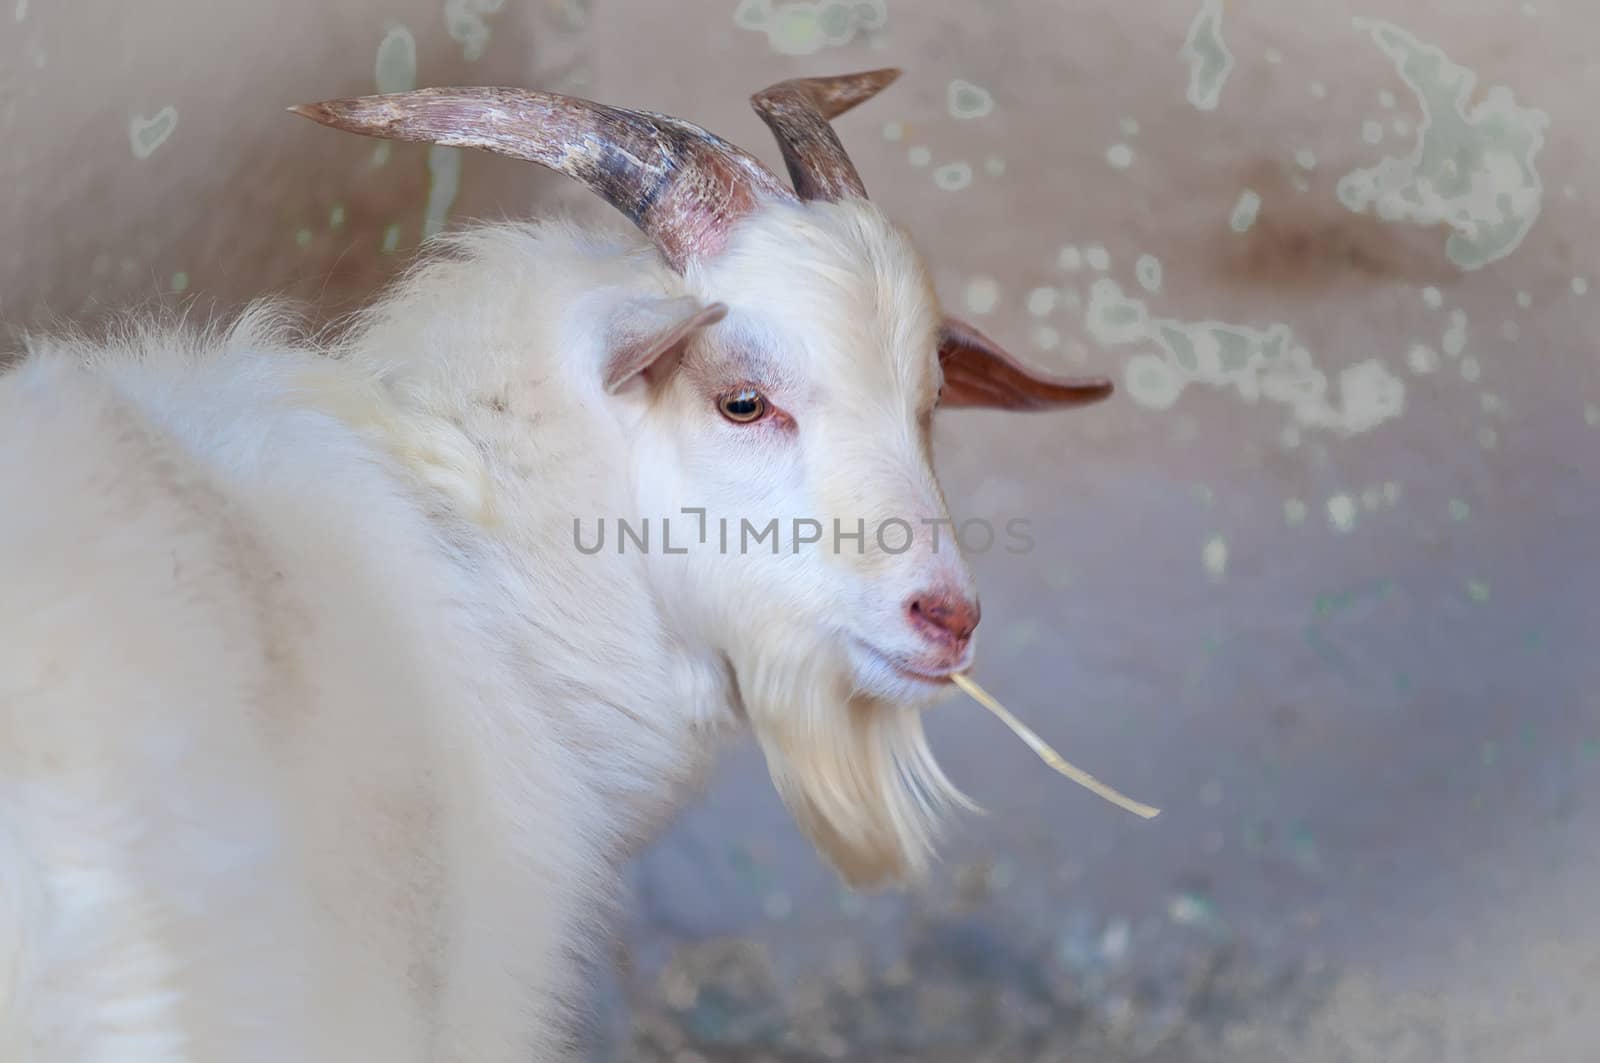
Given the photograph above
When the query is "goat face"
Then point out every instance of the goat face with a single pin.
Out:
(804, 411)
(784, 384)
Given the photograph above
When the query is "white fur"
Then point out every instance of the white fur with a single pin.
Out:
(319, 740)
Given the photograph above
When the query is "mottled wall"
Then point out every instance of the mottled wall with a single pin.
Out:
(1320, 581)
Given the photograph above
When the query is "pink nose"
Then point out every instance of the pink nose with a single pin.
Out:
(944, 617)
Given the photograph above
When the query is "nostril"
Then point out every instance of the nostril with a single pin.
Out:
(945, 616)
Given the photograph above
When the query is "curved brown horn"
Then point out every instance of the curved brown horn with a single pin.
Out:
(680, 184)
(798, 112)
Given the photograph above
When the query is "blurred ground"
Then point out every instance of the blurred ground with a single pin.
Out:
(1330, 602)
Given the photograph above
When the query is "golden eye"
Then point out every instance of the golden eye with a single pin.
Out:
(743, 406)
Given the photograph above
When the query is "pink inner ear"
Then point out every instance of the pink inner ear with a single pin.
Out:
(650, 334)
(979, 372)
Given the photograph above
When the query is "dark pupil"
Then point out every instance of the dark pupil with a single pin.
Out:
(747, 404)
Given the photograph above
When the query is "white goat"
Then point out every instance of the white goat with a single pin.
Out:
(321, 737)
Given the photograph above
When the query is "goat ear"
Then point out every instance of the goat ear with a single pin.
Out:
(649, 335)
(979, 372)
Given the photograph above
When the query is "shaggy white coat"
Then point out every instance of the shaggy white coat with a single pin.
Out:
(319, 740)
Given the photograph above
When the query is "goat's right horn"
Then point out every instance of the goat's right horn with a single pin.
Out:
(684, 187)
(798, 112)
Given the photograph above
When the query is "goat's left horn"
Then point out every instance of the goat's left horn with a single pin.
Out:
(685, 187)
(798, 113)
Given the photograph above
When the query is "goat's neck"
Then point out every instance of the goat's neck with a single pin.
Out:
(501, 434)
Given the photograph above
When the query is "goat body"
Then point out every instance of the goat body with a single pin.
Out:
(317, 738)
(322, 738)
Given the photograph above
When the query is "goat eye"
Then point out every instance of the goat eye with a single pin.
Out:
(743, 406)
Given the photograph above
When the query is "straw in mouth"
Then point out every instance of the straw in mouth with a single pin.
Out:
(1048, 755)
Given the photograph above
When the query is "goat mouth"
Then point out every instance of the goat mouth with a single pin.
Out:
(898, 665)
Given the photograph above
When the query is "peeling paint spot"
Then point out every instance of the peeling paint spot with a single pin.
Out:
(145, 135)
(464, 21)
(953, 176)
(1422, 359)
(1473, 170)
(1215, 558)
(1341, 513)
(1257, 363)
(391, 238)
(965, 100)
(444, 180)
(180, 282)
(1455, 336)
(1041, 301)
(1070, 258)
(1148, 270)
(1245, 211)
(803, 28)
(395, 68)
(919, 156)
(1120, 156)
(1208, 57)
(1432, 297)
(1097, 257)
(983, 294)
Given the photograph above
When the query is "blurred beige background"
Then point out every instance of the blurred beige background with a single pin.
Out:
(1321, 581)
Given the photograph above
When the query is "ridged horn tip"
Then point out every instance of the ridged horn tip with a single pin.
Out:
(833, 95)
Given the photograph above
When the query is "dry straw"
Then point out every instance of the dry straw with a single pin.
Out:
(1048, 755)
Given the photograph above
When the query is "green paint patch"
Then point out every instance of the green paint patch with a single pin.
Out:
(1472, 169)
(1477, 590)
(395, 66)
(464, 21)
(1489, 754)
(444, 177)
(964, 100)
(302, 237)
(391, 238)
(145, 135)
(1210, 61)
(1245, 211)
(336, 216)
(1459, 510)
(1256, 363)
(179, 282)
(802, 27)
